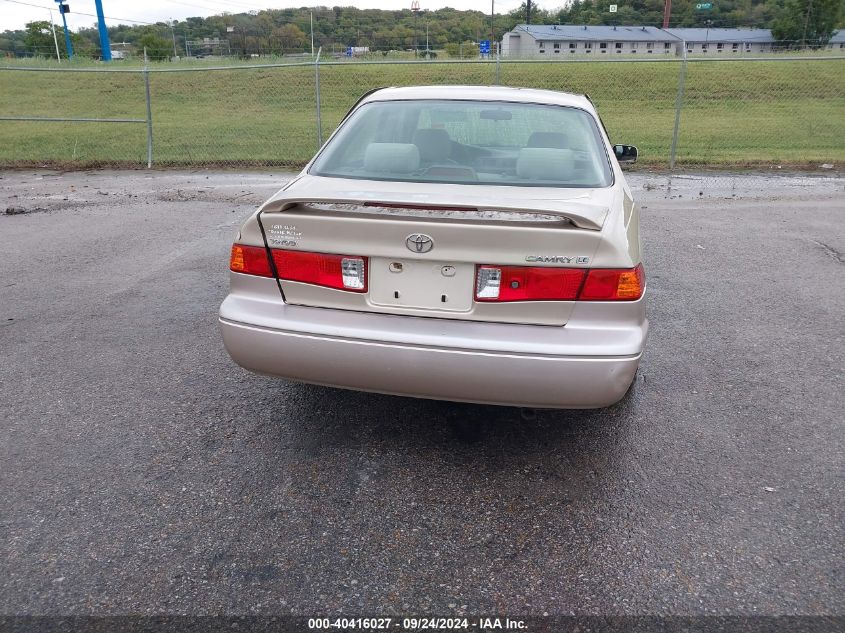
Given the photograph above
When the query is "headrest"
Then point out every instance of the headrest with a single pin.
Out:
(395, 158)
(548, 139)
(545, 163)
(434, 143)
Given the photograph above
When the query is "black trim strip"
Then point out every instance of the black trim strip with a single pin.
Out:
(270, 256)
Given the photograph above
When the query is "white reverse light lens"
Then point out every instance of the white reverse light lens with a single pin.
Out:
(352, 269)
(488, 282)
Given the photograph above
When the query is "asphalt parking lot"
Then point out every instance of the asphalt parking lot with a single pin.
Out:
(141, 471)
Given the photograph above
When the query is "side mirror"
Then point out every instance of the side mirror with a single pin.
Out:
(625, 153)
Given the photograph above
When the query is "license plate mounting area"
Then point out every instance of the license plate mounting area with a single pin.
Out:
(426, 285)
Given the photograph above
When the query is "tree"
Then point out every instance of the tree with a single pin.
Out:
(807, 21)
(157, 47)
(38, 38)
(290, 37)
(466, 50)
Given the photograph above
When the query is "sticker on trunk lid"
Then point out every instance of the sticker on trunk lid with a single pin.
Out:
(283, 235)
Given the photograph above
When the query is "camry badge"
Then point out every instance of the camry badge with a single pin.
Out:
(419, 243)
(558, 259)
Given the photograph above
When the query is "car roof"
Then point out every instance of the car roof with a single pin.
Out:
(480, 93)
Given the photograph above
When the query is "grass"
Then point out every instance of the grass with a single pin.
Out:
(737, 113)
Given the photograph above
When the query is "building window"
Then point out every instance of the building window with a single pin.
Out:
(619, 46)
(633, 50)
(704, 48)
(747, 46)
(720, 47)
(557, 46)
(603, 45)
(667, 46)
(542, 50)
(572, 46)
(649, 46)
(842, 45)
(588, 46)
(734, 47)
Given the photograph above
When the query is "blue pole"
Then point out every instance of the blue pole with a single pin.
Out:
(67, 35)
(104, 33)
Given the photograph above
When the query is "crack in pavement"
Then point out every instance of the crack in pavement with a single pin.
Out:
(832, 252)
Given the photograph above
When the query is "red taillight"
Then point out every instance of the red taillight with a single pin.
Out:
(605, 284)
(344, 272)
(527, 283)
(250, 260)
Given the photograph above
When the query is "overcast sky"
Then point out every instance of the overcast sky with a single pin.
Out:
(14, 16)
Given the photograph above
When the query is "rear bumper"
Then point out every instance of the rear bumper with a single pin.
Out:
(576, 366)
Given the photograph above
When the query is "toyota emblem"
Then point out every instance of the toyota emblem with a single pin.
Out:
(419, 243)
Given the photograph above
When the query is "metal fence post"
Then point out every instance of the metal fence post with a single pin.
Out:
(498, 65)
(149, 113)
(679, 103)
(317, 90)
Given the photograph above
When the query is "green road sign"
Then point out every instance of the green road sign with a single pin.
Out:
(704, 6)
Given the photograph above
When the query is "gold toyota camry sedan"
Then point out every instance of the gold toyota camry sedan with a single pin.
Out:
(466, 243)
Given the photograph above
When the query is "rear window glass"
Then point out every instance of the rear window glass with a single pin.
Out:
(468, 142)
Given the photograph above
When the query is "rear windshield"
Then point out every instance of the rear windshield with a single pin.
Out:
(468, 142)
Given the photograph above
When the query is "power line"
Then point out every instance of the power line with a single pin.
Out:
(93, 15)
(224, 3)
(204, 7)
(235, 3)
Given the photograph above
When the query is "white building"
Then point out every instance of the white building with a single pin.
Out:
(837, 41)
(562, 40)
(724, 41)
(559, 40)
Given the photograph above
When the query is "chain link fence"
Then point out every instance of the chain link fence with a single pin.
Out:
(710, 113)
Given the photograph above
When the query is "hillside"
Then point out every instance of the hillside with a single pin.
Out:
(286, 31)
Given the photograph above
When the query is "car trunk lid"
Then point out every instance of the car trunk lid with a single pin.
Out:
(422, 248)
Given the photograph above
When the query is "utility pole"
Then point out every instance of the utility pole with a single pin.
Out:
(63, 9)
(492, 28)
(173, 33)
(667, 13)
(55, 39)
(105, 47)
(312, 34)
(806, 24)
